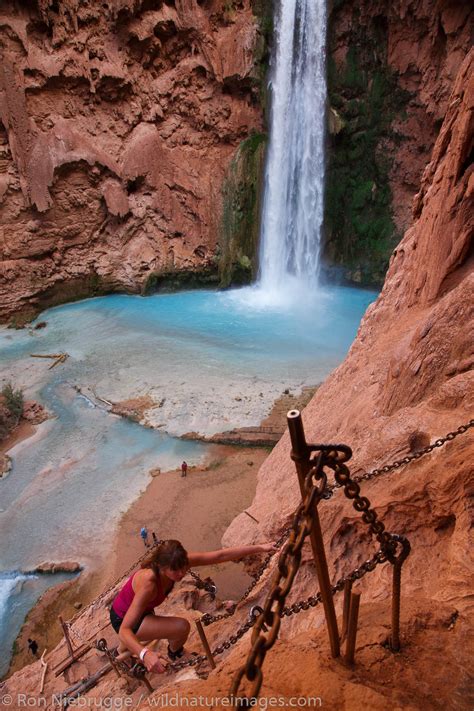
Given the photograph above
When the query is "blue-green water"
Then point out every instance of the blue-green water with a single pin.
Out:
(210, 361)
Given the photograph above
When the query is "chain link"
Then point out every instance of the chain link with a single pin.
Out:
(266, 626)
(295, 608)
(332, 457)
(135, 670)
(208, 585)
(356, 574)
(405, 460)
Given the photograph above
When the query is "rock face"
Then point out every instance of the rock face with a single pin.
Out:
(118, 122)
(34, 412)
(67, 566)
(391, 72)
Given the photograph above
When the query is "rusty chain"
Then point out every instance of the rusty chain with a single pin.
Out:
(405, 460)
(135, 670)
(288, 565)
(209, 619)
(334, 458)
(354, 575)
(266, 627)
(207, 584)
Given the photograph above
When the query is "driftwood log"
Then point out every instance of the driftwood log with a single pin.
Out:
(57, 357)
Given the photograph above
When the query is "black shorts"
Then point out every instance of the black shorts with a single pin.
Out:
(116, 621)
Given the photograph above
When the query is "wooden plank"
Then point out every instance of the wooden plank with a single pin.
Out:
(66, 663)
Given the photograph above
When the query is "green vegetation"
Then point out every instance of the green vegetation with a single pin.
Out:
(174, 280)
(240, 215)
(11, 409)
(360, 232)
(263, 12)
(13, 400)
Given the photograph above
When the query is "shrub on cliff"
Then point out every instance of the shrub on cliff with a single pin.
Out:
(11, 408)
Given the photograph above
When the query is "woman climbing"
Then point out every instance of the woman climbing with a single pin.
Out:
(132, 615)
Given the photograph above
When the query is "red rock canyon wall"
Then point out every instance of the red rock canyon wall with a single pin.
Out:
(118, 122)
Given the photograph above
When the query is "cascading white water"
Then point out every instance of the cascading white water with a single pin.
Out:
(294, 176)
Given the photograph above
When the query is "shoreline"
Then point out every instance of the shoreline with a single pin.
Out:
(196, 509)
(23, 317)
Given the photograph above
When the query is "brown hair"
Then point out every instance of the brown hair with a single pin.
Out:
(169, 554)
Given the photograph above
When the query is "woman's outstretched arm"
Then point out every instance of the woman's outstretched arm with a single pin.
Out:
(226, 554)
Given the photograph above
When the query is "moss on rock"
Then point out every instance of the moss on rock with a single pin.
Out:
(263, 12)
(174, 280)
(238, 244)
(360, 231)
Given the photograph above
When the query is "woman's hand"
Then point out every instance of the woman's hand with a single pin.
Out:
(153, 662)
(268, 548)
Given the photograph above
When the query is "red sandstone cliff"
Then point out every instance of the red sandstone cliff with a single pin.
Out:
(117, 123)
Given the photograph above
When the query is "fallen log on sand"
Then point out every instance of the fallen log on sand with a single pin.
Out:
(57, 357)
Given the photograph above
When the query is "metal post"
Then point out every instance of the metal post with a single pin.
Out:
(66, 636)
(345, 608)
(205, 644)
(300, 455)
(352, 628)
(114, 665)
(396, 586)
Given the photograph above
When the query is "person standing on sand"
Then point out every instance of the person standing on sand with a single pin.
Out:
(144, 535)
(184, 469)
(132, 612)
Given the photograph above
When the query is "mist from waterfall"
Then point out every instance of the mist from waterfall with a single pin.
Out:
(293, 200)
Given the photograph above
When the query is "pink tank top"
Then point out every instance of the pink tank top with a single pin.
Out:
(125, 597)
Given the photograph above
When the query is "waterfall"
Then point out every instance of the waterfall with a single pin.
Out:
(292, 212)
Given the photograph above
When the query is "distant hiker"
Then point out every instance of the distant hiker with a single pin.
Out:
(155, 539)
(132, 612)
(33, 647)
(184, 469)
(144, 535)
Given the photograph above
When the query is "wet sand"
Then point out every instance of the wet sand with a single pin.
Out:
(22, 432)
